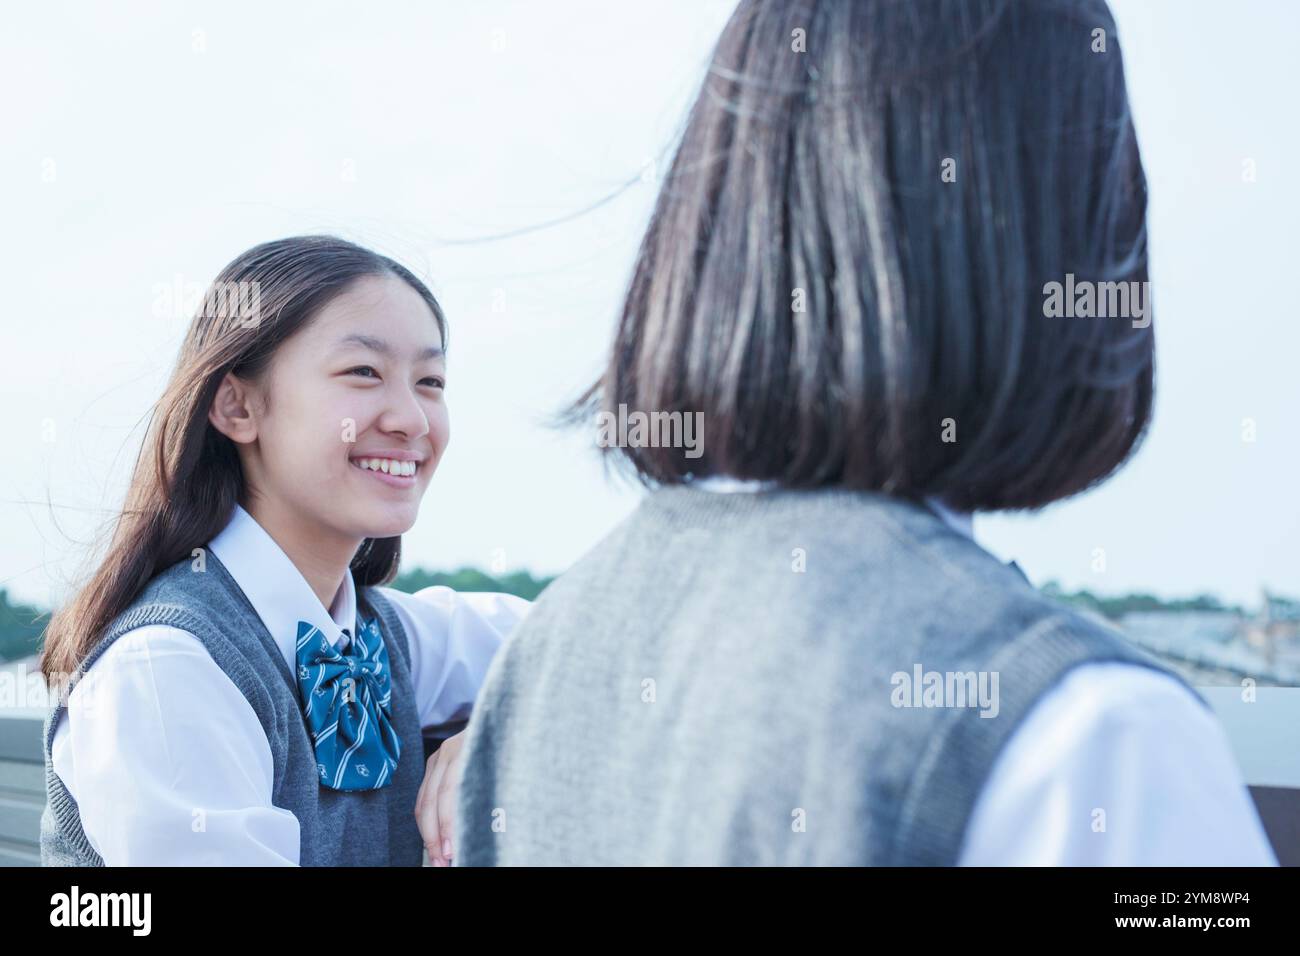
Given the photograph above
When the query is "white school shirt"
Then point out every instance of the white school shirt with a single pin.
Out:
(1113, 737)
(155, 730)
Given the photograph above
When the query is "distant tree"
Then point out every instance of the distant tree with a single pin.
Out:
(1117, 606)
(21, 627)
(520, 583)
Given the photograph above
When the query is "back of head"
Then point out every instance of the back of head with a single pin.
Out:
(845, 272)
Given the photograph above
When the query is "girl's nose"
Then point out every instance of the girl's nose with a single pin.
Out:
(405, 415)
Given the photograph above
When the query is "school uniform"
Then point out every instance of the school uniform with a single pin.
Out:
(1107, 736)
(201, 729)
(716, 683)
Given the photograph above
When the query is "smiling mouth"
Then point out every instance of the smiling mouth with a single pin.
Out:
(388, 467)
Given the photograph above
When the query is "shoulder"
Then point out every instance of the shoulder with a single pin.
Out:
(195, 596)
(1075, 708)
(1116, 764)
(140, 640)
(141, 649)
(1116, 695)
(149, 679)
(1106, 702)
(171, 664)
(190, 576)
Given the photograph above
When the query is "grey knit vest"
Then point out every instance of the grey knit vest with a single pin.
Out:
(366, 828)
(732, 679)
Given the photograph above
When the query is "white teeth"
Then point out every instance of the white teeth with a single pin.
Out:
(387, 465)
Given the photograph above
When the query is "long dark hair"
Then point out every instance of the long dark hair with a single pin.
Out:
(187, 476)
(913, 173)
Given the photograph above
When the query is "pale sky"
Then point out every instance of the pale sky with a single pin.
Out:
(143, 152)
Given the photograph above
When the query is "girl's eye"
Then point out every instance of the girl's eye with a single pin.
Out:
(433, 380)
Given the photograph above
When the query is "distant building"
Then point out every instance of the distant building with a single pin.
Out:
(1213, 647)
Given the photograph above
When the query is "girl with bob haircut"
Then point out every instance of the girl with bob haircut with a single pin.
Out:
(793, 652)
(235, 684)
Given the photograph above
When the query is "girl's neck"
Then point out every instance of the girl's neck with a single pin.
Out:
(322, 558)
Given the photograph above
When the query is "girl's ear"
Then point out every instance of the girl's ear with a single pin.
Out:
(232, 412)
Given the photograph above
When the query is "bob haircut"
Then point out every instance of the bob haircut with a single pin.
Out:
(846, 271)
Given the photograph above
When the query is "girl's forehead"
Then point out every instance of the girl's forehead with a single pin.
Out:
(380, 314)
(375, 298)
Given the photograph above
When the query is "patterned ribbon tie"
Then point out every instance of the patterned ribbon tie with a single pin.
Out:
(347, 701)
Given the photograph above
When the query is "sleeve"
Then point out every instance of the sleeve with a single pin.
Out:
(453, 637)
(171, 766)
(1118, 765)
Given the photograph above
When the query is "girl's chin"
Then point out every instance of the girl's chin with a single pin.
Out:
(386, 519)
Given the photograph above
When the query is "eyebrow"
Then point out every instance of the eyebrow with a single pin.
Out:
(382, 347)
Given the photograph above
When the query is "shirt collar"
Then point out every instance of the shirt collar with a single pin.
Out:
(960, 521)
(727, 484)
(276, 588)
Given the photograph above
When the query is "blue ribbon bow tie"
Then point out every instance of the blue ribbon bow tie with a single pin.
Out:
(346, 701)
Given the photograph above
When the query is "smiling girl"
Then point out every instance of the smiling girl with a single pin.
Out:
(233, 684)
